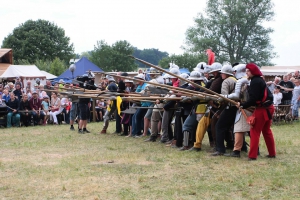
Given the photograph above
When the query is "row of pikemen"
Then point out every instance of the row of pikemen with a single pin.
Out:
(200, 104)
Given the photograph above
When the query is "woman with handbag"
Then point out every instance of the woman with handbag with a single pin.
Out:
(260, 97)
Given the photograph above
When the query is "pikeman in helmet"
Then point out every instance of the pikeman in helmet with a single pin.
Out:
(240, 94)
(155, 77)
(204, 123)
(112, 87)
(194, 111)
(167, 132)
(227, 115)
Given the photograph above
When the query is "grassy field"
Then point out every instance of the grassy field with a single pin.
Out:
(51, 162)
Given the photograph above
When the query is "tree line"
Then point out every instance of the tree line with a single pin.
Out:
(232, 28)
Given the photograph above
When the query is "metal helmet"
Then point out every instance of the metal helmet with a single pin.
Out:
(195, 75)
(110, 78)
(207, 69)
(152, 70)
(175, 71)
(184, 75)
(172, 65)
(165, 76)
(240, 71)
(200, 67)
(216, 67)
(227, 69)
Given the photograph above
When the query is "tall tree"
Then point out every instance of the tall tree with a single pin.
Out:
(150, 55)
(186, 60)
(234, 30)
(113, 58)
(39, 40)
(57, 67)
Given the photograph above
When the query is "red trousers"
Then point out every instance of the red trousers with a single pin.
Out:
(262, 124)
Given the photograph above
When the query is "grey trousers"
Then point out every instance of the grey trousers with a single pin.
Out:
(166, 125)
(155, 118)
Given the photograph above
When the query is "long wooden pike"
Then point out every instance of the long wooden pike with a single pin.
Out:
(177, 89)
(194, 84)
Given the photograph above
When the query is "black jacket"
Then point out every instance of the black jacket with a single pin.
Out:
(256, 92)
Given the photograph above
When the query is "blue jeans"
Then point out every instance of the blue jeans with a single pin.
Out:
(138, 121)
(13, 118)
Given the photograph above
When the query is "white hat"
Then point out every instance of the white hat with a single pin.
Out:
(227, 69)
(128, 81)
(240, 70)
(110, 78)
(140, 76)
(195, 75)
(61, 81)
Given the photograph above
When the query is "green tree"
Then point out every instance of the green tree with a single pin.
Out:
(150, 55)
(57, 67)
(234, 30)
(113, 58)
(186, 60)
(39, 40)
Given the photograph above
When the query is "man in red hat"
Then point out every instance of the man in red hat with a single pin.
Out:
(260, 97)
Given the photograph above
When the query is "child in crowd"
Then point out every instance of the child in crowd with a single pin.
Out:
(45, 107)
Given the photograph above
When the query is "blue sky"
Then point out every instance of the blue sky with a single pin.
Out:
(143, 23)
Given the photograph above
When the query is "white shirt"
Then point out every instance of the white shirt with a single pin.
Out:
(277, 98)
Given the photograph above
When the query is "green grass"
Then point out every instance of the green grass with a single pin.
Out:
(52, 162)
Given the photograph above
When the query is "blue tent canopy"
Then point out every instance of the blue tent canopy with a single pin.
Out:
(82, 66)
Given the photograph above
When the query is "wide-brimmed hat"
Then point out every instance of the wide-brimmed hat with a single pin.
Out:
(128, 81)
(61, 81)
(195, 75)
(227, 69)
(215, 67)
(140, 76)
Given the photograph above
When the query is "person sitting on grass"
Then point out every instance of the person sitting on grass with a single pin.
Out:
(13, 117)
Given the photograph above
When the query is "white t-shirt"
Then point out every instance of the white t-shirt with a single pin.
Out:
(277, 98)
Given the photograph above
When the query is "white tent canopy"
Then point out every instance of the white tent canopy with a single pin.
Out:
(27, 73)
(48, 75)
(23, 71)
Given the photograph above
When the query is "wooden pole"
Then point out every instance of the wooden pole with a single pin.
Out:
(194, 84)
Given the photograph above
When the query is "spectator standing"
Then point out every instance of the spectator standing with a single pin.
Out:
(277, 96)
(287, 88)
(272, 84)
(296, 99)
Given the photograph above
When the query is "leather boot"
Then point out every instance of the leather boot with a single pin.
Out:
(151, 139)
